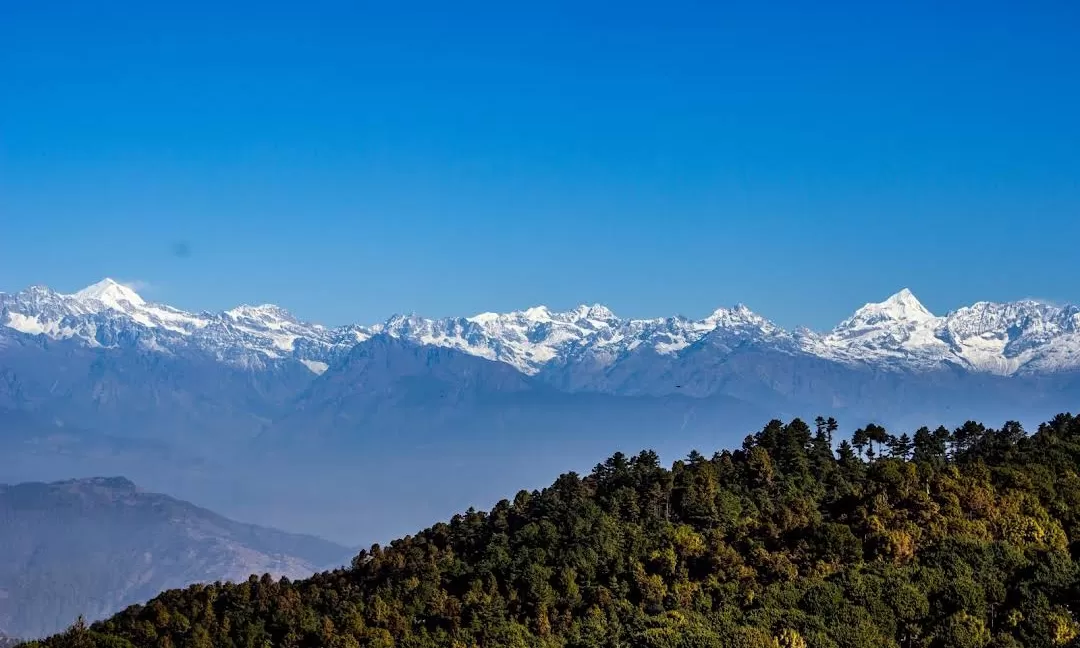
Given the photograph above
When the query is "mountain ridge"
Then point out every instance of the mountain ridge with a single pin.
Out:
(899, 333)
(94, 545)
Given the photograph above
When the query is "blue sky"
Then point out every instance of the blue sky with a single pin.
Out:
(349, 160)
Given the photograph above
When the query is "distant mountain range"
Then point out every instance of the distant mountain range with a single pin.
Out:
(94, 546)
(1016, 338)
(263, 416)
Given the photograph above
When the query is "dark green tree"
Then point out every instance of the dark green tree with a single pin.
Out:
(900, 447)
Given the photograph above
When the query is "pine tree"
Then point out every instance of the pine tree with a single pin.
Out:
(900, 447)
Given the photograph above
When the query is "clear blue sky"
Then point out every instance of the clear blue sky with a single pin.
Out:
(353, 159)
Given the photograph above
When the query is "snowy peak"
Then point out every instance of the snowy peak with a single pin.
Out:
(44, 298)
(905, 306)
(268, 314)
(110, 293)
(1022, 316)
(739, 317)
(897, 333)
(597, 312)
(537, 314)
(1003, 339)
(110, 314)
(534, 314)
(527, 339)
(901, 307)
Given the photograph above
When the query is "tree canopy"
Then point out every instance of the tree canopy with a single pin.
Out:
(959, 538)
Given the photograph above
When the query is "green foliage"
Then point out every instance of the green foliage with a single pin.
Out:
(964, 538)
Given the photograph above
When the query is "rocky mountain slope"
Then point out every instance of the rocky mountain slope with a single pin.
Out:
(93, 546)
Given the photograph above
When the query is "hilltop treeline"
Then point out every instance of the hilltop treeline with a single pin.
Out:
(959, 538)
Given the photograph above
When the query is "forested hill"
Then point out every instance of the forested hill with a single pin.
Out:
(961, 538)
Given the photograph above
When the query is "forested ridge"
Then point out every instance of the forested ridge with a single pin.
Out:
(959, 538)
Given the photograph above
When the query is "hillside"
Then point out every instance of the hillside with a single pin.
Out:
(94, 546)
(962, 538)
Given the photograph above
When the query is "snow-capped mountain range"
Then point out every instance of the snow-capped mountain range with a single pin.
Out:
(253, 400)
(898, 334)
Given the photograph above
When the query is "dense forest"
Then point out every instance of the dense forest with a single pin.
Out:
(960, 538)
